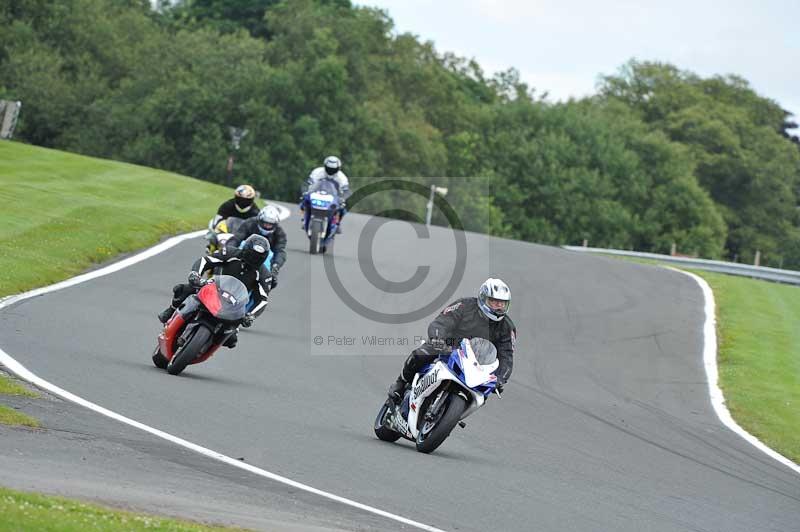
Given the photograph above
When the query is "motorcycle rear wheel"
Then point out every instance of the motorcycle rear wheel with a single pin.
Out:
(381, 430)
(159, 360)
(429, 440)
(190, 350)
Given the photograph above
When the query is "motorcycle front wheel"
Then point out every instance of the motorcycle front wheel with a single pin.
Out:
(316, 236)
(192, 349)
(434, 431)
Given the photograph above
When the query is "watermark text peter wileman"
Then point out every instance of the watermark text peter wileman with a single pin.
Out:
(368, 340)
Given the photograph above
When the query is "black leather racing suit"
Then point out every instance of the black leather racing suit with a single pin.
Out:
(231, 209)
(464, 319)
(277, 240)
(228, 261)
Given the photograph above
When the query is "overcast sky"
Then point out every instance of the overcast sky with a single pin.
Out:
(560, 46)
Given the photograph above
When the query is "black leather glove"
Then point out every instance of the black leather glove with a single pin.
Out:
(438, 344)
(248, 320)
(195, 280)
(274, 271)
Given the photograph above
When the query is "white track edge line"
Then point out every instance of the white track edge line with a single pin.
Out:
(27, 375)
(712, 375)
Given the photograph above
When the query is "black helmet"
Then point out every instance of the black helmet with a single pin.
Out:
(255, 250)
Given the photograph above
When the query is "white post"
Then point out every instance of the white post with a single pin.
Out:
(434, 190)
(757, 262)
(430, 207)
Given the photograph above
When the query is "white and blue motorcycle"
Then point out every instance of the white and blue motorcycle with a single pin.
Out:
(441, 395)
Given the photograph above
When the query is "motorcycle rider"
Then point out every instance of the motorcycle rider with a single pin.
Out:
(484, 316)
(241, 205)
(266, 224)
(246, 264)
(331, 169)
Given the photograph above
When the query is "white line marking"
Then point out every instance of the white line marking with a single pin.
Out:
(27, 375)
(712, 374)
(284, 212)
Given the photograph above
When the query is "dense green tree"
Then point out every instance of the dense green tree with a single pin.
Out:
(660, 156)
(739, 142)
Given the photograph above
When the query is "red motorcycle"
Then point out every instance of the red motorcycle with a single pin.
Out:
(202, 324)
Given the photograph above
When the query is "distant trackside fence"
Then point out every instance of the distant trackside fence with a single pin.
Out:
(732, 268)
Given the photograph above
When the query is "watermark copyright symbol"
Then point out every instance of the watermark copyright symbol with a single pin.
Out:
(370, 271)
(318, 340)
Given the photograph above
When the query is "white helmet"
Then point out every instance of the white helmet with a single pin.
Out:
(268, 219)
(500, 295)
(332, 165)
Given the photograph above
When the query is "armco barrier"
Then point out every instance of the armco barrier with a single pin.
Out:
(733, 268)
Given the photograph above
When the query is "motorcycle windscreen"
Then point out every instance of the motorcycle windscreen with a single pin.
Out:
(485, 351)
(232, 296)
(327, 186)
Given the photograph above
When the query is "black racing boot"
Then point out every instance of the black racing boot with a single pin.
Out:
(396, 390)
(339, 229)
(166, 314)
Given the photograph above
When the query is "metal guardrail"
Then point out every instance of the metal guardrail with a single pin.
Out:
(732, 268)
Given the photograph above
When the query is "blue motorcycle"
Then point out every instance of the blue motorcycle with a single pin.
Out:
(441, 395)
(320, 206)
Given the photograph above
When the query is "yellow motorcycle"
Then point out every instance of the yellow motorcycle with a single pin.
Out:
(220, 232)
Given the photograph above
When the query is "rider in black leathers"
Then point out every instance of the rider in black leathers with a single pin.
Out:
(245, 264)
(471, 317)
(266, 224)
(241, 205)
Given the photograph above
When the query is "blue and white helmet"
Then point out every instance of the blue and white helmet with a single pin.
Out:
(268, 219)
(332, 165)
(494, 298)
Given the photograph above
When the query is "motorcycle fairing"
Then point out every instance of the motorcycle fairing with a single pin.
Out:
(167, 337)
(322, 200)
(461, 367)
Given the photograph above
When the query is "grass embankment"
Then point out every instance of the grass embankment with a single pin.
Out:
(758, 326)
(61, 213)
(9, 416)
(24, 511)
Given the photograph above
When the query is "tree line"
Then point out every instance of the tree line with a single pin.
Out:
(658, 156)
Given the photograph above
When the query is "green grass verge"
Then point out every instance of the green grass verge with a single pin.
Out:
(758, 357)
(758, 327)
(24, 511)
(9, 416)
(9, 386)
(62, 212)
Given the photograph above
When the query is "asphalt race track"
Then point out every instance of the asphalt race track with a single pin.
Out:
(605, 425)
